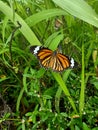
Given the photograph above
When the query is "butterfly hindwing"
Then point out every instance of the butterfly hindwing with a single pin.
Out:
(64, 60)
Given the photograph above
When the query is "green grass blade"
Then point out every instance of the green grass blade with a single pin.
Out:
(26, 31)
(57, 99)
(59, 91)
(19, 99)
(55, 42)
(79, 9)
(25, 78)
(45, 14)
(81, 105)
(64, 88)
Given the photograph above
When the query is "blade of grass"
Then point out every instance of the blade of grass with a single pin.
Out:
(25, 78)
(81, 104)
(79, 9)
(45, 14)
(64, 88)
(19, 99)
(5, 21)
(55, 42)
(59, 91)
(50, 39)
(26, 31)
(89, 53)
(57, 99)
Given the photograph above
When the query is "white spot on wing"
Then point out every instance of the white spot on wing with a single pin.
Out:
(72, 63)
(36, 50)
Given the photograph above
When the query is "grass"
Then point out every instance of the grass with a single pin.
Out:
(35, 98)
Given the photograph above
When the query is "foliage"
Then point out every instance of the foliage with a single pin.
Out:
(32, 97)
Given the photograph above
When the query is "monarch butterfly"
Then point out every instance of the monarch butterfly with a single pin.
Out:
(52, 59)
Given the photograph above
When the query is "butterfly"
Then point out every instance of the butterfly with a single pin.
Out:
(54, 60)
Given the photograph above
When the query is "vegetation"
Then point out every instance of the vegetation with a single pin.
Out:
(32, 97)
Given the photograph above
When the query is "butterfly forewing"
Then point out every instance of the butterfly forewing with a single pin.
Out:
(43, 54)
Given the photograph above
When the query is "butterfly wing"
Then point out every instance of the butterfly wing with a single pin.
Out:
(61, 62)
(43, 54)
(49, 59)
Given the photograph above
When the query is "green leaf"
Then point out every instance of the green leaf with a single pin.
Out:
(25, 29)
(85, 127)
(79, 9)
(44, 14)
(64, 88)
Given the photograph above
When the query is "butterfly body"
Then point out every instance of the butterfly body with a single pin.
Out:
(52, 59)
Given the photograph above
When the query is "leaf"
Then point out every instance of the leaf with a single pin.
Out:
(25, 29)
(79, 9)
(85, 127)
(44, 14)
